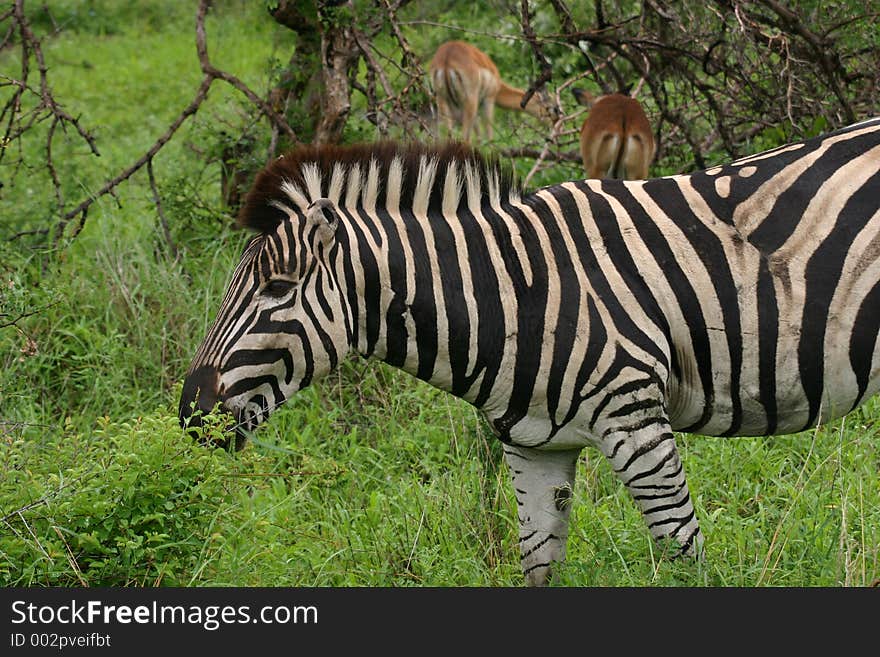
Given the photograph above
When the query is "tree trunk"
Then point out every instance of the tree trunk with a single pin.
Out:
(314, 91)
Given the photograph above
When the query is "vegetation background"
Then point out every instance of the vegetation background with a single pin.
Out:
(368, 477)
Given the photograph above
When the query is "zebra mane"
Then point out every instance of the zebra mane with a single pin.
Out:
(383, 174)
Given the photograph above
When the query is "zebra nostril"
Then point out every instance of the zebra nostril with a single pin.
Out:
(201, 392)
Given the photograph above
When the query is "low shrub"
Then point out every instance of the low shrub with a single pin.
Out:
(130, 503)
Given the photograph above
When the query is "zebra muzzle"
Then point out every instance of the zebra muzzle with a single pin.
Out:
(202, 397)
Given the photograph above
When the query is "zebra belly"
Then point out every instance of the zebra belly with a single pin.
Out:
(751, 413)
(538, 430)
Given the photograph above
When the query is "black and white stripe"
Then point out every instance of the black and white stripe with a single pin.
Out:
(741, 300)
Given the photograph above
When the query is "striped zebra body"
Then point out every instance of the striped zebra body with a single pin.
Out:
(741, 300)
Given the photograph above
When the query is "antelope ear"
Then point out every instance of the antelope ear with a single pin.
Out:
(323, 215)
(583, 96)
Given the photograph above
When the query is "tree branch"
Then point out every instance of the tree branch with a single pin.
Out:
(537, 50)
(211, 73)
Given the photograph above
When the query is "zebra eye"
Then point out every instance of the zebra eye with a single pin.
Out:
(277, 288)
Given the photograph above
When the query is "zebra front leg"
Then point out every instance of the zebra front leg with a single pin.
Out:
(645, 457)
(543, 482)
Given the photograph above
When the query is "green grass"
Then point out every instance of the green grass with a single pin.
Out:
(371, 478)
(367, 478)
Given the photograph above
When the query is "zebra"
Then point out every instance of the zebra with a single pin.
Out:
(743, 300)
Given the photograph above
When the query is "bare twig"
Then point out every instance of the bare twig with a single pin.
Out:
(212, 73)
(172, 247)
(71, 560)
(537, 50)
(702, 71)
(710, 78)
(5, 323)
(568, 156)
(111, 184)
(16, 124)
(822, 50)
(32, 43)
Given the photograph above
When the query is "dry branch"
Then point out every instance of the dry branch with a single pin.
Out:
(546, 73)
(17, 124)
(714, 76)
(720, 73)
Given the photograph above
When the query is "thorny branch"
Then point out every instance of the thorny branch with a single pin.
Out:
(83, 208)
(537, 50)
(17, 123)
(402, 103)
(713, 76)
(157, 200)
(718, 74)
(6, 322)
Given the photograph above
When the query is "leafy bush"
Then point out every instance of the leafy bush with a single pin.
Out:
(129, 503)
(369, 477)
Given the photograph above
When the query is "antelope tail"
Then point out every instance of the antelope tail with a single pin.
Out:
(447, 83)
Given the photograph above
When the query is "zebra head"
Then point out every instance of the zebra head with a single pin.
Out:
(282, 322)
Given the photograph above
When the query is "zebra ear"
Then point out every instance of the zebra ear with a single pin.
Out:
(323, 215)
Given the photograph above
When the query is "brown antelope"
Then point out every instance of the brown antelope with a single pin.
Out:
(466, 82)
(616, 138)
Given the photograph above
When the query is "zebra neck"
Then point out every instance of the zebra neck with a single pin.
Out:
(416, 286)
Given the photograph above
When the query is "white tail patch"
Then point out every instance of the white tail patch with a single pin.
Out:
(454, 87)
(609, 150)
